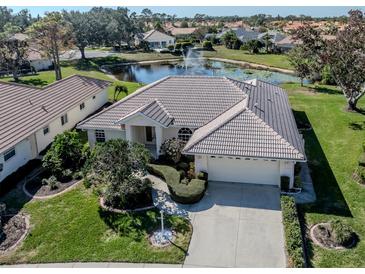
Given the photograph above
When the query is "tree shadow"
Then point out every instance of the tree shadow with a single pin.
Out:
(33, 82)
(357, 125)
(330, 199)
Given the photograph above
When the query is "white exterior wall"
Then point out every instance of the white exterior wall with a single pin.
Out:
(287, 169)
(74, 115)
(23, 153)
(109, 135)
(169, 133)
(42, 64)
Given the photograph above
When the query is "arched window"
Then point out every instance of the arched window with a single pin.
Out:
(184, 134)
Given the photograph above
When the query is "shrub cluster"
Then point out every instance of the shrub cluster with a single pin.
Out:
(208, 45)
(186, 193)
(293, 235)
(172, 148)
(342, 233)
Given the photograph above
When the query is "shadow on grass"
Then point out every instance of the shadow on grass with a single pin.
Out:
(330, 199)
(33, 82)
(357, 125)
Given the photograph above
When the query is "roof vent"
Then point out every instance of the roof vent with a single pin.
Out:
(44, 108)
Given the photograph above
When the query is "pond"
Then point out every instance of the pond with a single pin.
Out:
(152, 72)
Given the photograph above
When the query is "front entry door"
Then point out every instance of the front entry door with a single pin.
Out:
(150, 135)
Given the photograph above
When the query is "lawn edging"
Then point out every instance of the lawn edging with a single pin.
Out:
(116, 210)
(181, 193)
(293, 234)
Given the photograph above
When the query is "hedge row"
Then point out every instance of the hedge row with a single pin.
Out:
(180, 192)
(293, 235)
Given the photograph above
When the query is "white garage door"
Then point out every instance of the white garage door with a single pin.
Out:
(243, 171)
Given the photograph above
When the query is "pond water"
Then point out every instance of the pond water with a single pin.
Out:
(152, 72)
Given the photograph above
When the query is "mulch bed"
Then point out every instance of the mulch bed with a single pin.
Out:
(321, 235)
(36, 188)
(14, 228)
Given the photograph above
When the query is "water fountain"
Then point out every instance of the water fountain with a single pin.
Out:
(163, 236)
(193, 60)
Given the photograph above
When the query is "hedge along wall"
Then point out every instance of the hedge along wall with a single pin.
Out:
(293, 234)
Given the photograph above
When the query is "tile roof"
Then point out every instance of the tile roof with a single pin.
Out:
(156, 35)
(153, 110)
(228, 115)
(181, 96)
(25, 109)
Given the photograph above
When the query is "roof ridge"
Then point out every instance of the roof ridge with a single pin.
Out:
(164, 108)
(57, 82)
(275, 132)
(132, 95)
(216, 127)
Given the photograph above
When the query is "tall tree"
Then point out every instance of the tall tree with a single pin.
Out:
(346, 57)
(82, 29)
(13, 51)
(53, 35)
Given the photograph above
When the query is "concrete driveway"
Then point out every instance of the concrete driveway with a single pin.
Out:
(237, 225)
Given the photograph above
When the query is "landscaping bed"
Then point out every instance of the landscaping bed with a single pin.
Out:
(73, 228)
(36, 188)
(14, 229)
(182, 191)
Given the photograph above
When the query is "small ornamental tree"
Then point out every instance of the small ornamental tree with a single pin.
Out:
(297, 58)
(254, 46)
(172, 149)
(118, 165)
(207, 45)
(346, 58)
(66, 152)
(118, 89)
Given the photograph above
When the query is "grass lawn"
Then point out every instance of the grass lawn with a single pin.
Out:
(89, 68)
(333, 148)
(272, 60)
(72, 227)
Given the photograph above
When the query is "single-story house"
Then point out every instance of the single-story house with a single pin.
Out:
(275, 36)
(241, 132)
(36, 59)
(287, 44)
(181, 32)
(31, 117)
(242, 34)
(156, 39)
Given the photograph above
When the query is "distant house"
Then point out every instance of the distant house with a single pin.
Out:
(31, 117)
(275, 36)
(36, 59)
(286, 44)
(181, 32)
(244, 35)
(156, 39)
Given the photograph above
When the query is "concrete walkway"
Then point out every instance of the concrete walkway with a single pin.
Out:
(308, 195)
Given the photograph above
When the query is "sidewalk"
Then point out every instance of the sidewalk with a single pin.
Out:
(93, 265)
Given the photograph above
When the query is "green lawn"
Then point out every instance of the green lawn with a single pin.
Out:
(88, 68)
(73, 228)
(272, 60)
(332, 148)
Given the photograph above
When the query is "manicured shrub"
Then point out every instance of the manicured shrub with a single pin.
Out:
(51, 182)
(172, 149)
(284, 183)
(2, 213)
(186, 191)
(171, 47)
(342, 233)
(207, 45)
(293, 235)
(362, 160)
(65, 152)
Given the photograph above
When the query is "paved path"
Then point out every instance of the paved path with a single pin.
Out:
(234, 225)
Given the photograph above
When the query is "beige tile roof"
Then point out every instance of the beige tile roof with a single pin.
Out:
(25, 109)
(156, 35)
(229, 115)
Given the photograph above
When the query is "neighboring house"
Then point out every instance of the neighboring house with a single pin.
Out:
(34, 56)
(287, 44)
(275, 36)
(181, 32)
(238, 131)
(156, 39)
(244, 35)
(31, 117)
